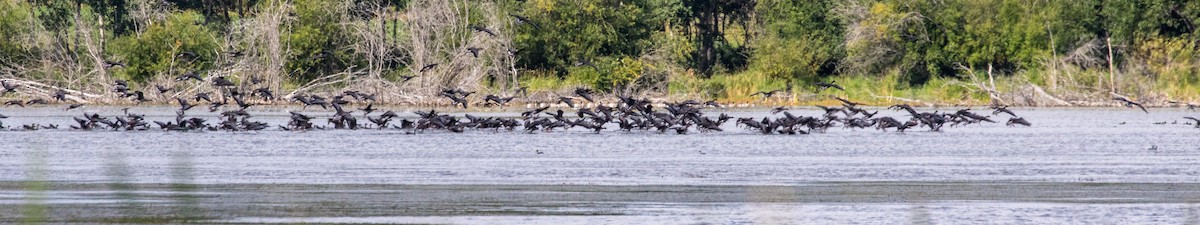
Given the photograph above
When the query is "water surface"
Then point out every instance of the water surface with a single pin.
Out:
(1072, 166)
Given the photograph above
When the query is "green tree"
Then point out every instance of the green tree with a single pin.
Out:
(573, 32)
(801, 39)
(157, 50)
(318, 43)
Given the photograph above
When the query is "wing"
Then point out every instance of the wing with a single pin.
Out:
(1140, 106)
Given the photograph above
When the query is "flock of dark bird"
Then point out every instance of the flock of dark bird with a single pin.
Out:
(627, 115)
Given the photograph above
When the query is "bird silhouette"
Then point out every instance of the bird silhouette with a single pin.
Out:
(713, 103)
(428, 67)
(474, 51)
(456, 99)
(585, 93)
(847, 102)
(523, 20)
(37, 101)
(587, 62)
(263, 92)
(189, 75)
(161, 89)
(1017, 121)
(138, 97)
(16, 103)
(202, 95)
(523, 90)
(1003, 109)
(767, 94)
(1129, 103)
(110, 64)
(778, 110)
(183, 104)
(501, 101)
(186, 55)
(368, 109)
(822, 86)
(480, 28)
(565, 100)
(222, 82)
(1197, 121)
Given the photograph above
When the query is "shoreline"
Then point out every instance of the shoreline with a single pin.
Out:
(517, 107)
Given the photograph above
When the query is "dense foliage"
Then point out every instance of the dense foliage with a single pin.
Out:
(611, 45)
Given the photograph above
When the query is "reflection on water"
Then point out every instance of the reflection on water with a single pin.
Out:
(183, 186)
(966, 175)
(119, 176)
(33, 210)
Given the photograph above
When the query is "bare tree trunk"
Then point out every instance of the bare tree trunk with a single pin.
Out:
(1053, 60)
(1111, 68)
(991, 79)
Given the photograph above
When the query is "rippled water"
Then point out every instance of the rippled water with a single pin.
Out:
(1084, 164)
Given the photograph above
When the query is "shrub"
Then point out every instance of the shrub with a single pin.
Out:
(155, 50)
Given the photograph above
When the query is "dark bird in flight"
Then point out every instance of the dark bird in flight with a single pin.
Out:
(565, 100)
(138, 97)
(474, 51)
(1017, 120)
(1129, 103)
(183, 104)
(110, 64)
(778, 110)
(16, 103)
(524, 90)
(483, 29)
(202, 95)
(767, 94)
(37, 101)
(241, 102)
(585, 93)
(713, 103)
(456, 99)
(497, 99)
(847, 102)
(586, 62)
(215, 106)
(1197, 121)
(161, 89)
(523, 20)
(189, 55)
(534, 112)
(189, 75)
(1003, 109)
(368, 109)
(428, 67)
(222, 82)
(822, 86)
(263, 92)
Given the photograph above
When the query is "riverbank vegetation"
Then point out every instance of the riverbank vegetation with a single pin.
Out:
(1016, 52)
